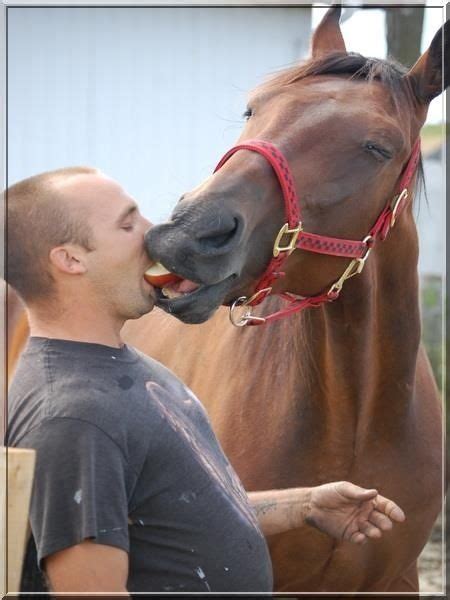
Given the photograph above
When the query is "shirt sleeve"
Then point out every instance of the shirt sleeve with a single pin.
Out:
(79, 488)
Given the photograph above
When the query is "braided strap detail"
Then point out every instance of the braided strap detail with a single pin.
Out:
(331, 246)
(283, 173)
(281, 167)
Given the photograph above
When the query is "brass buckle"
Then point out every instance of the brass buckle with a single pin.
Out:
(286, 231)
(243, 303)
(396, 203)
(354, 268)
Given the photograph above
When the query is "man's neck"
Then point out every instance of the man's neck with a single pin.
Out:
(77, 326)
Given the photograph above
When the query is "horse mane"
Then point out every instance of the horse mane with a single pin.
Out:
(389, 72)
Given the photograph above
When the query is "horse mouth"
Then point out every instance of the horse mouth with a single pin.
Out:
(194, 303)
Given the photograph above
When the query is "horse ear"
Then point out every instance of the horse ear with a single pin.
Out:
(429, 77)
(327, 37)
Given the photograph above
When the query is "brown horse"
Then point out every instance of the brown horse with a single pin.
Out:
(344, 391)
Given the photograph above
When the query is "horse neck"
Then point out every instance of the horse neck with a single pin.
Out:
(358, 349)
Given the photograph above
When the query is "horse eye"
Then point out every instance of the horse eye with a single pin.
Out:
(378, 151)
(247, 114)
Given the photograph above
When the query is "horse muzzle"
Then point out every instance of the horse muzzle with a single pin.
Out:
(202, 248)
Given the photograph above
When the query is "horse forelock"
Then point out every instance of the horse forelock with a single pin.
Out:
(356, 66)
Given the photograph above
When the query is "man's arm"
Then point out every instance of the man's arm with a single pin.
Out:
(341, 509)
(281, 510)
(88, 567)
(79, 494)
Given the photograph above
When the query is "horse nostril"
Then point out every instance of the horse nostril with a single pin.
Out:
(219, 238)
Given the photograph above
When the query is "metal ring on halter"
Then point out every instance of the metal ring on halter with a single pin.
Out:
(240, 321)
(247, 316)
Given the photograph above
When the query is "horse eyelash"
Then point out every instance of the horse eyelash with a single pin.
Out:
(371, 147)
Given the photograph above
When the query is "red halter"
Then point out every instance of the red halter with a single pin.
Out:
(358, 251)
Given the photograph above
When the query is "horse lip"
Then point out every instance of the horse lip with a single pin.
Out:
(164, 301)
(176, 306)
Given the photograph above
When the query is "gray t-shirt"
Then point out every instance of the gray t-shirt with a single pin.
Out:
(126, 457)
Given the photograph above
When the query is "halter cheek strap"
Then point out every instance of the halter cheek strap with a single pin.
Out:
(291, 236)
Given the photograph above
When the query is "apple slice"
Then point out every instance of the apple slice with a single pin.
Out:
(158, 276)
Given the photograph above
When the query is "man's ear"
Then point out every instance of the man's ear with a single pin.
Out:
(430, 75)
(68, 259)
(327, 37)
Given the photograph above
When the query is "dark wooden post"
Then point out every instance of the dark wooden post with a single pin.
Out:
(404, 33)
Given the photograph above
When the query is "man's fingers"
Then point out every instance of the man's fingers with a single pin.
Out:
(376, 513)
(384, 505)
(358, 538)
(380, 520)
(370, 530)
(389, 508)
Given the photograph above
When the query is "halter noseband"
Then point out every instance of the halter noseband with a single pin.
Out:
(358, 251)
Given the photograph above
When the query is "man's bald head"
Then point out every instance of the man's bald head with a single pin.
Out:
(41, 214)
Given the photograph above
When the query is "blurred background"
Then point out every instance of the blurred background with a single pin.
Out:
(153, 96)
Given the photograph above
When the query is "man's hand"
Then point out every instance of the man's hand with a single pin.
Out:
(349, 512)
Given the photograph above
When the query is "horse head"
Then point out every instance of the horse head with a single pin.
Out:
(346, 126)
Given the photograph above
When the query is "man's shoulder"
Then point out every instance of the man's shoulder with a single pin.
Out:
(103, 386)
(87, 383)
(159, 371)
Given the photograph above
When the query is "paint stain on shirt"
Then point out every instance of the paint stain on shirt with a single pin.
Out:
(125, 382)
(188, 497)
(202, 576)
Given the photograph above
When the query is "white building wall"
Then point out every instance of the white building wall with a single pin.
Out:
(152, 96)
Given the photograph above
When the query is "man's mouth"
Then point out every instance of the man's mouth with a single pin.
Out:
(168, 284)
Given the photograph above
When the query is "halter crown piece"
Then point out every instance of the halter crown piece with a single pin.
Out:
(357, 251)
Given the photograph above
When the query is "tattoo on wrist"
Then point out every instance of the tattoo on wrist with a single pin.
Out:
(264, 507)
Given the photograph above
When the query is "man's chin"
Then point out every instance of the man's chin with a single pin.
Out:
(148, 307)
(136, 311)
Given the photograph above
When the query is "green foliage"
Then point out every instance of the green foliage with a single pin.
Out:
(432, 131)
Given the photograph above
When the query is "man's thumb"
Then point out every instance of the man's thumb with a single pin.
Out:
(355, 492)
